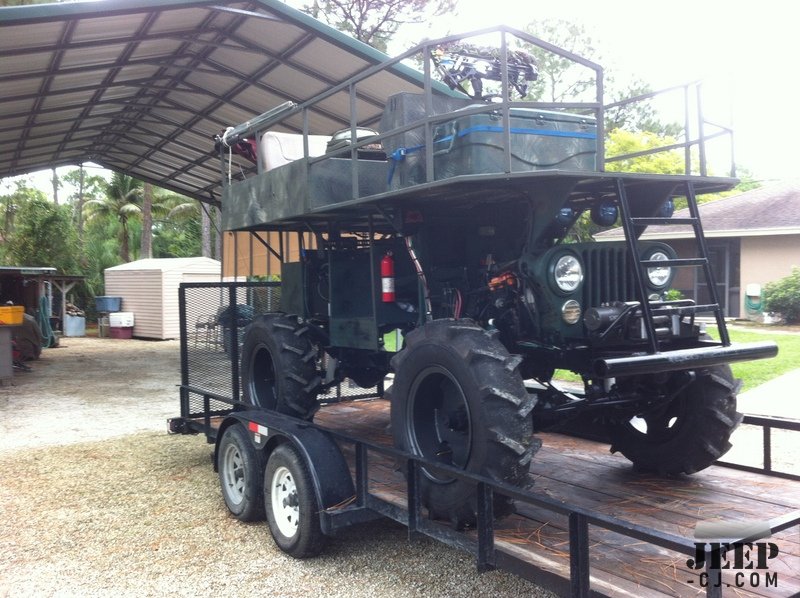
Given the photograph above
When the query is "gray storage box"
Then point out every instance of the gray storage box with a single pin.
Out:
(474, 144)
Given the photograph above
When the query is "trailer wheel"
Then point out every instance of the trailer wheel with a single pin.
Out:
(459, 399)
(291, 504)
(686, 435)
(241, 475)
(279, 370)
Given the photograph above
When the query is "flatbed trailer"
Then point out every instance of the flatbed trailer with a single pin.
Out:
(588, 525)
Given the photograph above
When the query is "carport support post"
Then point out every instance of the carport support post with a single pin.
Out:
(64, 288)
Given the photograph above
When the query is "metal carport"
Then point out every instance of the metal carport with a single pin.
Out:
(142, 86)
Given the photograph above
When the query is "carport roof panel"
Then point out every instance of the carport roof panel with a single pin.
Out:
(78, 77)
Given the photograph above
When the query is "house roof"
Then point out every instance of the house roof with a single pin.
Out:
(773, 209)
(142, 86)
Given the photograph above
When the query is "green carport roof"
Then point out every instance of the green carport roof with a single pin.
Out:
(142, 86)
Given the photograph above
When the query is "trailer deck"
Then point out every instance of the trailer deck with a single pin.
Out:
(583, 473)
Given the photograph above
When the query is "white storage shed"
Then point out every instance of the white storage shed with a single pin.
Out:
(149, 289)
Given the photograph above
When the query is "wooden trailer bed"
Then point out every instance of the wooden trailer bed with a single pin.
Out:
(583, 473)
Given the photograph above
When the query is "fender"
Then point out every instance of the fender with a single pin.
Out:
(333, 483)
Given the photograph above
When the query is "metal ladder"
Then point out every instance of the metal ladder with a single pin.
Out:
(630, 223)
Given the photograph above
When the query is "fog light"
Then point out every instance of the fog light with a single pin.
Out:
(571, 311)
(655, 297)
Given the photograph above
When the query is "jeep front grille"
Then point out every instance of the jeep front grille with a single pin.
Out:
(608, 275)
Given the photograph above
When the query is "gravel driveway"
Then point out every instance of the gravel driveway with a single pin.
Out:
(96, 500)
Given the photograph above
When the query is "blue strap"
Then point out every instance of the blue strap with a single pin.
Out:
(525, 131)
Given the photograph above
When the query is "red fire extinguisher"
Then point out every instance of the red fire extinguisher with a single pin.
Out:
(387, 278)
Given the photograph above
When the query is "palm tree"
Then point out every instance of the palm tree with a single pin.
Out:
(122, 201)
(156, 204)
(191, 209)
(146, 247)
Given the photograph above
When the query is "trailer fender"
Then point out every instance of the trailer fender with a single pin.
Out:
(333, 483)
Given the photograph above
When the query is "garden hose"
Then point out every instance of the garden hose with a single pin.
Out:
(48, 338)
(753, 304)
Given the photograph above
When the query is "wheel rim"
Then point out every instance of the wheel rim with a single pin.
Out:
(285, 503)
(661, 424)
(263, 384)
(440, 427)
(233, 474)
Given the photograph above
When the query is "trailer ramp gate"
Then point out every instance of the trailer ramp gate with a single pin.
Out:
(213, 319)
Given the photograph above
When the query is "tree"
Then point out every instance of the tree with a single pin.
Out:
(100, 251)
(12, 202)
(90, 187)
(146, 247)
(56, 185)
(193, 213)
(374, 22)
(783, 296)
(44, 236)
(561, 79)
(637, 116)
(177, 238)
(122, 201)
(621, 142)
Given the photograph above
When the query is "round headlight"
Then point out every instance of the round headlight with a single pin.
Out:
(659, 276)
(568, 273)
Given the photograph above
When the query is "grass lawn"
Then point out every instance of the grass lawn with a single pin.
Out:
(754, 373)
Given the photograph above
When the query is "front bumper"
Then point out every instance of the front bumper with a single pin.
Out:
(683, 359)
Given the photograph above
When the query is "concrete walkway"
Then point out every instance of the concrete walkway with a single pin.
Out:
(780, 397)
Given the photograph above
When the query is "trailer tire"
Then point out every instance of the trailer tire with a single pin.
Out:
(689, 433)
(291, 504)
(279, 367)
(241, 474)
(459, 398)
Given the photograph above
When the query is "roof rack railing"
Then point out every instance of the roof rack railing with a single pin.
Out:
(695, 130)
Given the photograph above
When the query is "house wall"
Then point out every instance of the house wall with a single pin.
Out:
(244, 255)
(766, 259)
(763, 259)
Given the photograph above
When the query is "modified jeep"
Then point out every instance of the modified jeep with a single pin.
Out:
(436, 256)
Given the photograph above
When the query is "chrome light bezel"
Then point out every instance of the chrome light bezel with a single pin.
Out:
(571, 312)
(567, 273)
(659, 277)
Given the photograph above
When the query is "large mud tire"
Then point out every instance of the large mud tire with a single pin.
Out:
(279, 369)
(689, 433)
(458, 398)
